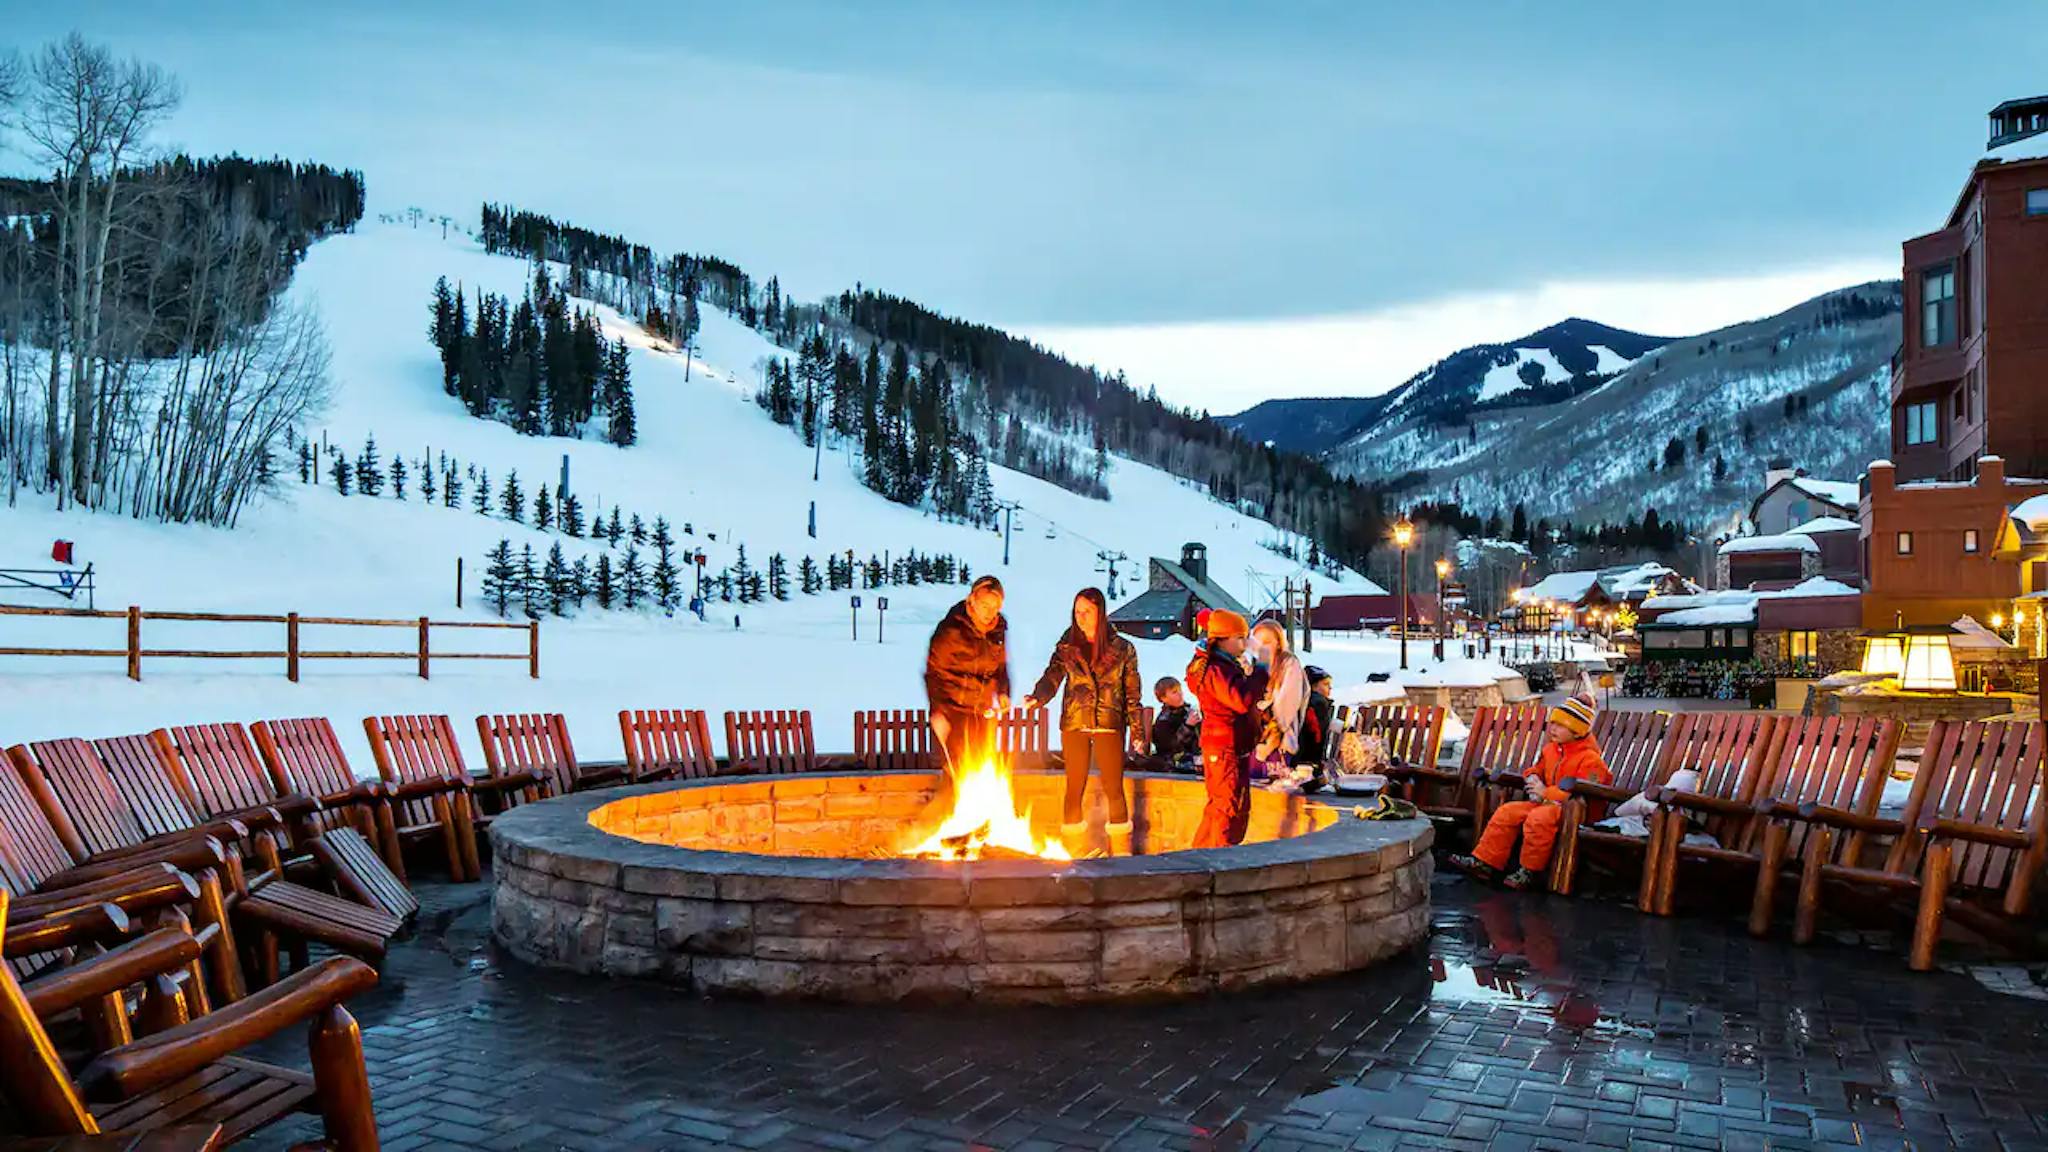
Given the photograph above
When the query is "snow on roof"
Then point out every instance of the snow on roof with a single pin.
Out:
(2033, 511)
(1567, 586)
(1786, 542)
(1634, 578)
(1823, 524)
(1841, 493)
(1970, 634)
(1713, 614)
(1815, 586)
(1672, 604)
(2033, 147)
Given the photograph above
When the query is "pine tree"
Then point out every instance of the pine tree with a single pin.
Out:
(664, 572)
(632, 578)
(572, 514)
(621, 429)
(512, 501)
(482, 500)
(778, 577)
(444, 331)
(305, 462)
(555, 578)
(603, 587)
(427, 488)
(579, 581)
(543, 509)
(342, 472)
(638, 531)
(451, 489)
(807, 577)
(398, 472)
(532, 597)
(369, 470)
(614, 530)
(500, 579)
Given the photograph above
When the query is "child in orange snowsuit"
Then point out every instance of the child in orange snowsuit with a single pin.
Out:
(1569, 752)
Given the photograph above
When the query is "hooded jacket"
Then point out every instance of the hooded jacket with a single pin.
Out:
(965, 669)
(1579, 759)
(1102, 695)
(1230, 702)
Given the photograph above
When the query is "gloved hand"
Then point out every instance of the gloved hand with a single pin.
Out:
(1533, 787)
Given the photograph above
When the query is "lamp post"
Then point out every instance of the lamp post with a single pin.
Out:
(1404, 535)
(1443, 569)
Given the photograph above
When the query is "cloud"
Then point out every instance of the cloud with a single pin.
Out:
(1227, 366)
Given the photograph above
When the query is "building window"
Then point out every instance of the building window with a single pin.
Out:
(1969, 539)
(1938, 306)
(1921, 425)
(2037, 201)
(1798, 645)
(1717, 639)
(1905, 543)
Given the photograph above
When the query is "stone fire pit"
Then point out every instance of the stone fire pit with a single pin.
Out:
(782, 886)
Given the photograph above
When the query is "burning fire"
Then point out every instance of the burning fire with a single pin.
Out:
(985, 822)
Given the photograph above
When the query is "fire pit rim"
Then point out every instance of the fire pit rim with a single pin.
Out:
(561, 826)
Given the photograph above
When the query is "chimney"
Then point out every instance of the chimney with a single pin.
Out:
(1195, 559)
(1778, 468)
(1991, 472)
(1879, 479)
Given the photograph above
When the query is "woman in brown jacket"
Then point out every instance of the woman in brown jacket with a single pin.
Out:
(1101, 713)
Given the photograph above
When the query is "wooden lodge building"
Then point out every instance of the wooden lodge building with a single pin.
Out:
(1173, 593)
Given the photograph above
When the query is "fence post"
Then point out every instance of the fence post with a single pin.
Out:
(533, 649)
(423, 647)
(134, 642)
(458, 581)
(291, 646)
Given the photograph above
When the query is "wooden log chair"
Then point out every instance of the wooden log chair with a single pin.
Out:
(224, 773)
(666, 744)
(1834, 762)
(1648, 748)
(774, 742)
(148, 796)
(1970, 843)
(305, 756)
(1498, 737)
(186, 1073)
(1025, 738)
(1412, 733)
(894, 740)
(430, 787)
(534, 747)
(1510, 749)
(49, 868)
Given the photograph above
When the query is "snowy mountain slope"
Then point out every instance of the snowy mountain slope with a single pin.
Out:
(1569, 354)
(708, 458)
(1601, 454)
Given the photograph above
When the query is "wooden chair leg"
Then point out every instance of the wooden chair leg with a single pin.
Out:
(1806, 914)
(342, 1082)
(1667, 863)
(451, 837)
(1934, 870)
(266, 956)
(1777, 839)
(1564, 864)
(464, 809)
(223, 959)
(1653, 866)
(106, 1019)
(163, 1005)
(386, 839)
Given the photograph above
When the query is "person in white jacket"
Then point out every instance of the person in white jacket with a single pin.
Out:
(1286, 698)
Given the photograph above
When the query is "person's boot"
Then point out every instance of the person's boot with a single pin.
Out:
(1521, 880)
(1474, 867)
(1119, 838)
(1075, 837)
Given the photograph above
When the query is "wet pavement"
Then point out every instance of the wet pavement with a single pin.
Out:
(1526, 1022)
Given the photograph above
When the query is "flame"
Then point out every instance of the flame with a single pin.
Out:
(985, 816)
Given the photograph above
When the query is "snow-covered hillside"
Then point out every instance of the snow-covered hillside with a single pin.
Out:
(708, 458)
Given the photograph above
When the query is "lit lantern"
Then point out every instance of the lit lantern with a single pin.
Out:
(1930, 666)
(1884, 654)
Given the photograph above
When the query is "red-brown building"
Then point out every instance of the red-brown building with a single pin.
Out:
(1971, 377)
(1936, 550)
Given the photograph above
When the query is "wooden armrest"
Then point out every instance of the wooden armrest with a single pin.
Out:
(29, 933)
(1843, 818)
(164, 950)
(1577, 787)
(297, 804)
(1699, 802)
(154, 1061)
(1408, 771)
(140, 890)
(1977, 833)
(192, 855)
(362, 792)
(599, 775)
(255, 818)
(508, 782)
(419, 789)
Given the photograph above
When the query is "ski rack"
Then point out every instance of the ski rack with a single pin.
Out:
(57, 581)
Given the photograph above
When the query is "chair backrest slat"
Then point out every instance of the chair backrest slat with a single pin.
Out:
(775, 741)
(1411, 733)
(1836, 761)
(414, 748)
(40, 1092)
(1986, 773)
(304, 757)
(1730, 751)
(893, 740)
(667, 742)
(219, 764)
(31, 848)
(151, 784)
(1632, 744)
(526, 742)
(1506, 738)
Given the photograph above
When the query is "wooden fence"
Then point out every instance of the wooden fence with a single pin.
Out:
(421, 652)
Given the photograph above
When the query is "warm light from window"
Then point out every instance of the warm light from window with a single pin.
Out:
(1929, 665)
(1883, 656)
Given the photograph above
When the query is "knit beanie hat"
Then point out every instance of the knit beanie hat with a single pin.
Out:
(1223, 624)
(1576, 714)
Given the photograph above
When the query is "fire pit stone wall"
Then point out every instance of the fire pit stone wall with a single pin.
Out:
(756, 904)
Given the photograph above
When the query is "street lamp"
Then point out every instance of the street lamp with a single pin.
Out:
(1404, 535)
(1443, 569)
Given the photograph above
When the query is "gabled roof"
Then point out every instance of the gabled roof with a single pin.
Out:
(1824, 524)
(1209, 594)
(1163, 604)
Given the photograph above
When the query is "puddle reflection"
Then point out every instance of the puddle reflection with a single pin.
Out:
(1525, 972)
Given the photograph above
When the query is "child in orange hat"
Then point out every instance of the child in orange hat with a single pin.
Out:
(1228, 686)
(1569, 752)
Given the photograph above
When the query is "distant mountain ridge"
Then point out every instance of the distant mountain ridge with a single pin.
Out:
(1553, 363)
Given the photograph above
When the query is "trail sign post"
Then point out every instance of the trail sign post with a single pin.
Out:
(881, 612)
(856, 618)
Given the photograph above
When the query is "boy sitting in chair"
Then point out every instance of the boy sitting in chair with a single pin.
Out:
(1569, 752)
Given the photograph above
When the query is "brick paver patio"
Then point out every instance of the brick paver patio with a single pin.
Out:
(1528, 1022)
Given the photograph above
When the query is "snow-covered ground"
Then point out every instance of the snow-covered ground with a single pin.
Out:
(708, 458)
